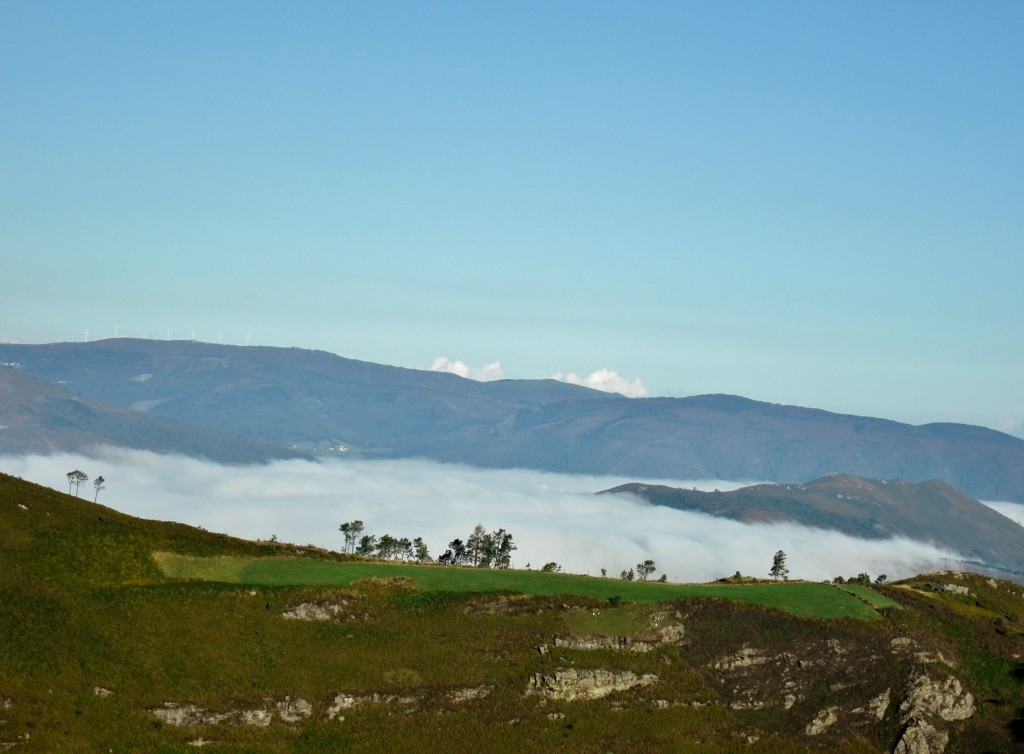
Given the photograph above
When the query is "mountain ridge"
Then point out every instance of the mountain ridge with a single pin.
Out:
(316, 401)
(932, 511)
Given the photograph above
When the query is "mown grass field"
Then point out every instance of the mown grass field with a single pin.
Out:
(800, 598)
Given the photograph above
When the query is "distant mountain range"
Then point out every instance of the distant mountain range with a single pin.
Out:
(867, 508)
(310, 401)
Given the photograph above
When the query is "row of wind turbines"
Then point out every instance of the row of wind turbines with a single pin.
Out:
(192, 336)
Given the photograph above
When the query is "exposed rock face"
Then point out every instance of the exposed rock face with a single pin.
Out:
(294, 710)
(623, 643)
(910, 647)
(822, 721)
(921, 738)
(946, 699)
(458, 696)
(928, 698)
(952, 588)
(880, 704)
(189, 714)
(321, 611)
(570, 683)
(663, 631)
(743, 658)
(344, 702)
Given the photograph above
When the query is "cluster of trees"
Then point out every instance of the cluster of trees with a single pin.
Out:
(78, 477)
(643, 572)
(481, 549)
(385, 547)
(860, 578)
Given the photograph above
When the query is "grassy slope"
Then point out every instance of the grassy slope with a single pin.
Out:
(83, 604)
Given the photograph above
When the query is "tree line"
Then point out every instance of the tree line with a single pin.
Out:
(481, 549)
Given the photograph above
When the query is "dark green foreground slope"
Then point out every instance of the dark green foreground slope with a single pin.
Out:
(100, 651)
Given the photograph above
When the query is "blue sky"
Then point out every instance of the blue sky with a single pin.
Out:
(800, 202)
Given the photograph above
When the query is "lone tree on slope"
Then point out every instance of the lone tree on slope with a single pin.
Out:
(779, 569)
(98, 483)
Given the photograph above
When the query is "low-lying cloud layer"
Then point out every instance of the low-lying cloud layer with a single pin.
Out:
(553, 517)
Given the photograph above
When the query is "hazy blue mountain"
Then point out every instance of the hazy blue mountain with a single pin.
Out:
(868, 508)
(315, 400)
(39, 417)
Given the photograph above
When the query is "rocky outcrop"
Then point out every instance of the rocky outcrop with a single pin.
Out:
(189, 714)
(294, 710)
(925, 700)
(664, 630)
(919, 737)
(945, 699)
(571, 683)
(459, 696)
(621, 643)
(877, 706)
(822, 721)
(742, 658)
(951, 588)
(909, 647)
(344, 702)
(323, 611)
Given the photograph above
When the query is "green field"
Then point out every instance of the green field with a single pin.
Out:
(810, 600)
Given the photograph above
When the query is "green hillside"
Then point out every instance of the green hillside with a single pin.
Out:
(101, 650)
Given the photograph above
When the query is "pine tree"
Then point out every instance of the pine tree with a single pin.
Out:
(779, 569)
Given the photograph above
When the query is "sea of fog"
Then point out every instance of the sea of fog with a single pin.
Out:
(553, 517)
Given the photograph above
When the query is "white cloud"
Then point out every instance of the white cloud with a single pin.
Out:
(606, 380)
(552, 516)
(485, 373)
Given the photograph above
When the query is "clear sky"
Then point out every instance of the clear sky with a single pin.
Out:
(799, 202)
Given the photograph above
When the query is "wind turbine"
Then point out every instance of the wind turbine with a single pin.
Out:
(220, 338)
(86, 336)
(193, 335)
(168, 333)
(247, 339)
(116, 329)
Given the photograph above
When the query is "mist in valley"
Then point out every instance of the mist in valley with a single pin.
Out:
(553, 517)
